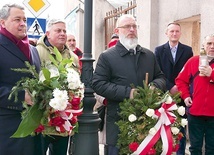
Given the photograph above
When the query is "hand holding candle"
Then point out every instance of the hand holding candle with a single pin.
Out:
(203, 61)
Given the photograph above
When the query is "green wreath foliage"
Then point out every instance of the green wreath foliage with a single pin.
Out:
(138, 130)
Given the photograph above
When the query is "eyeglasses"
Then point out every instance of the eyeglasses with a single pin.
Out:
(128, 26)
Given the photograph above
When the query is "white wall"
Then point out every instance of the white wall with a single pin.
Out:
(153, 17)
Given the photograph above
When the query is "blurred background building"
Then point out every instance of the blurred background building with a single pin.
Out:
(195, 18)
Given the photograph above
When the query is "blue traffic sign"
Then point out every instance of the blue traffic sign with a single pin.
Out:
(36, 27)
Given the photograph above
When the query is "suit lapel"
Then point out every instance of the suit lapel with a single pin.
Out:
(35, 60)
(12, 48)
(168, 52)
(179, 52)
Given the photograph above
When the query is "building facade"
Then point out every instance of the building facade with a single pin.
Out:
(195, 17)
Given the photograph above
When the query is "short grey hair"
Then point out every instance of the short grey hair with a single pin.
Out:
(54, 21)
(205, 38)
(5, 10)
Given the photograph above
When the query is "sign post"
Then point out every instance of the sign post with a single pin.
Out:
(36, 27)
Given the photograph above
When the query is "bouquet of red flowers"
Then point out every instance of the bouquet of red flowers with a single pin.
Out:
(56, 92)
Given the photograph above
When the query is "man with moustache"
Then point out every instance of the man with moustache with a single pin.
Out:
(120, 66)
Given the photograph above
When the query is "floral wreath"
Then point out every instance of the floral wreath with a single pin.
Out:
(56, 92)
(150, 123)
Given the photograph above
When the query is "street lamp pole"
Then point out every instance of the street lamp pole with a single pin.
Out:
(86, 140)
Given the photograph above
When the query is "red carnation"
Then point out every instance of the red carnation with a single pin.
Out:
(133, 146)
(40, 128)
(56, 121)
(75, 102)
(74, 120)
(62, 129)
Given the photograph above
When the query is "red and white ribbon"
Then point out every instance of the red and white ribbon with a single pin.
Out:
(163, 130)
(67, 116)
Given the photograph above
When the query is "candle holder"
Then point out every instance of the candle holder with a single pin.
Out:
(203, 59)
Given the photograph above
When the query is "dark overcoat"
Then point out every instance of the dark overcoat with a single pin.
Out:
(10, 112)
(170, 68)
(115, 71)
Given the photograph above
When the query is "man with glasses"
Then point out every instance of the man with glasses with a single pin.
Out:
(120, 66)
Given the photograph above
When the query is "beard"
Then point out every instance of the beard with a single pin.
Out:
(129, 43)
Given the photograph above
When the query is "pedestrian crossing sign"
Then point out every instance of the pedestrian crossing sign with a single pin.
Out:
(36, 27)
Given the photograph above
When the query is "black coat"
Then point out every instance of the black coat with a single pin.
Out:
(170, 68)
(115, 71)
(10, 112)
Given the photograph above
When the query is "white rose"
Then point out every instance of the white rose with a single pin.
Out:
(181, 110)
(73, 81)
(72, 74)
(152, 131)
(132, 118)
(58, 104)
(150, 112)
(168, 99)
(74, 84)
(175, 130)
(184, 122)
(60, 94)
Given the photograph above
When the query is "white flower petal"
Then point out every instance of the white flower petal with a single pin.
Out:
(132, 118)
(150, 112)
(181, 110)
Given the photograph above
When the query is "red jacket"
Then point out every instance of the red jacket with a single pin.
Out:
(79, 53)
(203, 89)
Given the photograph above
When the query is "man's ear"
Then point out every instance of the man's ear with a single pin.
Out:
(47, 34)
(116, 31)
(2, 23)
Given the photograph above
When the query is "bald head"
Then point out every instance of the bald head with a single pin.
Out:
(71, 41)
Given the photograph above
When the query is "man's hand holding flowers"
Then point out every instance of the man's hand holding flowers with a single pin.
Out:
(55, 97)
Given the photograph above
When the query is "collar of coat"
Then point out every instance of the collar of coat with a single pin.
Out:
(123, 51)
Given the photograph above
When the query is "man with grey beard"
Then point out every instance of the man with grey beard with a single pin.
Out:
(120, 66)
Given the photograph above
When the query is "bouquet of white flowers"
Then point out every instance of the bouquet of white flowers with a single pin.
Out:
(56, 92)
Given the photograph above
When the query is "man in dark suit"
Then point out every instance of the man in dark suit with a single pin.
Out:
(14, 51)
(171, 57)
